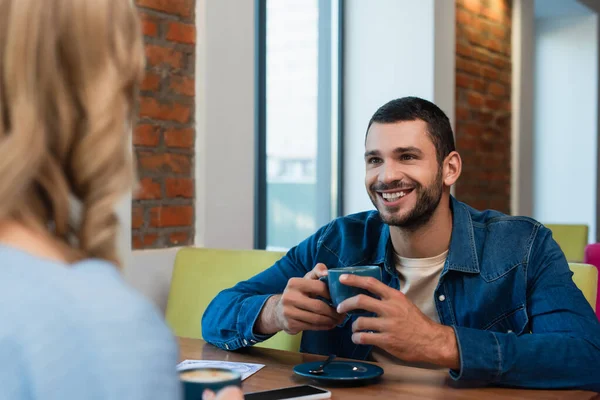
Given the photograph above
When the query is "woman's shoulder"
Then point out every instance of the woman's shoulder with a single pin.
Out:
(86, 318)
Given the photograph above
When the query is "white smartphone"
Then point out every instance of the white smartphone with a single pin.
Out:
(303, 392)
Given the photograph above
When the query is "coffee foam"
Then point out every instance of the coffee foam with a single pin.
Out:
(206, 375)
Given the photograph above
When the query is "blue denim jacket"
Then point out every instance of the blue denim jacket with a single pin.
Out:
(506, 289)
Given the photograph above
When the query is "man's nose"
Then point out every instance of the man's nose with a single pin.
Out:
(390, 173)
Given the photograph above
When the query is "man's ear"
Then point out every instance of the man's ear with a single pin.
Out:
(452, 168)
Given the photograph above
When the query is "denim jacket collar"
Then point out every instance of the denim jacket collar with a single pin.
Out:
(462, 255)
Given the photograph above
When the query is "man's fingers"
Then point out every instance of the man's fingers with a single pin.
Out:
(230, 393)
(318, 271)
(319, 307)
(371, 284)
(310, 317)
(309, 287)
(370, 338)
(360, 302)
(368, 324)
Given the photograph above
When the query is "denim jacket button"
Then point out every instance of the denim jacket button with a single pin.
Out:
(509, 331)
(245, 342)
(227, 346)
(442, 297)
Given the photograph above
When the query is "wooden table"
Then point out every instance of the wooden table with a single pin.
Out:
(398, 382)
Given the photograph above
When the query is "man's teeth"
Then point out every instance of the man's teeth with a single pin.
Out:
(393, 196)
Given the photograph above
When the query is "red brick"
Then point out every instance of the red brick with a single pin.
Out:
(496, 89)
(469, 66)
(472, 130)
(183, 8)
(485, 117)
(475, 100)
(149, 189)
(164, 163)
(146, 135)
(464, 50)
(463, 17)
(503, 122)
(179, 187)
(463, 80)
(151, 108)
(495, 45)
(169, 216)
(462, 113)
(506, 77)
(498, 31)
(490, 73)
(136, 242)
(474, 6)
(148, 240)
(466, 143)
(493, 12)
(149, 25)
(493, 104)
(179, 238)
(481, 55)
(182, 33)
(477, 38)
(182, 138)
(151, 82)
(158, 55)
(183, 85)
(478, 85)
(137, 217)
(499, 62)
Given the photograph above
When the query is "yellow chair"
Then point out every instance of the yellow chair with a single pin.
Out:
(199, 274)
(585, 277)
(572, 240)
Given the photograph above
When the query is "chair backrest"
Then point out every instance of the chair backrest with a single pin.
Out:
(199, 274)
(585, 277)
(572, 239)
(592, 256)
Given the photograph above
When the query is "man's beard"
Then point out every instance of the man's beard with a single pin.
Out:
(428, 199)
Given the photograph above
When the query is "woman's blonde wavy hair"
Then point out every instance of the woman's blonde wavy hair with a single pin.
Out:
(69, 72)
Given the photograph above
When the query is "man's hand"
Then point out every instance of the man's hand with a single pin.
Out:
(400, 328)
(297, 309)
(228, 393)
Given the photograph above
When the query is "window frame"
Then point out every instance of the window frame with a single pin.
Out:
(329, 147)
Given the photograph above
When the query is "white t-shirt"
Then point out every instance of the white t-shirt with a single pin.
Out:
(418, 279)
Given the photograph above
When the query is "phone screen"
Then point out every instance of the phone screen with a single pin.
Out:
(285, 393)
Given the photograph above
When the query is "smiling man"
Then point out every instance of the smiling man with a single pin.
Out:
(486, 295)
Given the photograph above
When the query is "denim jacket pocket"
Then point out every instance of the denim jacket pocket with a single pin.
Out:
(515, 321)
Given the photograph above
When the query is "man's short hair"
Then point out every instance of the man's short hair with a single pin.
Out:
(414, 108)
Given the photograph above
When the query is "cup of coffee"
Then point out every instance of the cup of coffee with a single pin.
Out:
(338, 292)
(196, 381)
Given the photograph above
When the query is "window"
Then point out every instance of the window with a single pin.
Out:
(299, 119)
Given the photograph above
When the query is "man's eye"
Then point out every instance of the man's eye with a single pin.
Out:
(407, 157)
(374, 160)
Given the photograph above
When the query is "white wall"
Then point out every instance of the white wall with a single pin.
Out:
(393, 48)
(225, 124)
(566, 120)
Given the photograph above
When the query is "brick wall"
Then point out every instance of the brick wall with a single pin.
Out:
(483, 106)
(163, 140)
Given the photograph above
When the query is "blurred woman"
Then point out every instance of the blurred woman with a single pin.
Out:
(69, 327)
